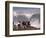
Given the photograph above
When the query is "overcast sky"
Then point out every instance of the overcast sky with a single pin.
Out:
(22, 10)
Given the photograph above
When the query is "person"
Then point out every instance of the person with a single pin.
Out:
(19, 27)
(24, 24)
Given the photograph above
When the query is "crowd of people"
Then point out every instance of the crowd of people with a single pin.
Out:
(22, 25)
(25, 25)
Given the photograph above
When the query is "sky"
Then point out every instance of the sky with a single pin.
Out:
(23, 10)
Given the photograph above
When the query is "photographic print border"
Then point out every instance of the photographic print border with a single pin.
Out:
(7, 18)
